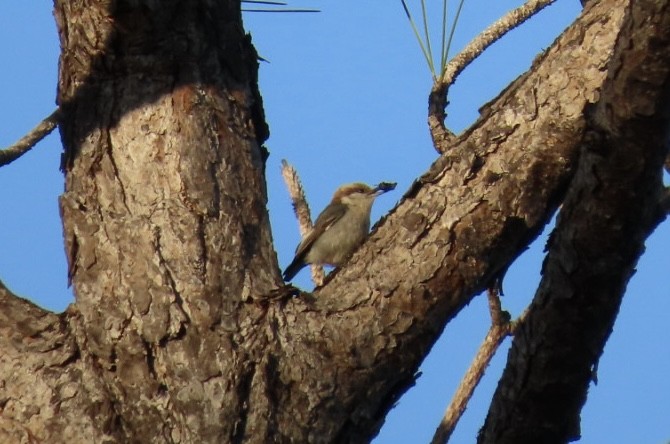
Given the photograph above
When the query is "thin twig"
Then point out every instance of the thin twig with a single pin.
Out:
(301, 210)
(516, 323)
(27, 142)
(501, 327)
(437, 100)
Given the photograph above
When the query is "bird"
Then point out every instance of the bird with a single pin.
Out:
(340, 228)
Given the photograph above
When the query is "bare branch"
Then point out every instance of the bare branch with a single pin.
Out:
(9, 155)
(516, 323)
(501, 327)
(495, 309)
(490, 35)
(437, 100)
(596, 244)
(301, 210)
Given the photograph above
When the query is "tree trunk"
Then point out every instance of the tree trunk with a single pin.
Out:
(614, 202)
(182, 330)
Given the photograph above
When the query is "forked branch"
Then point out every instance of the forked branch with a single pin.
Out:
(437, 100)
(501, 327)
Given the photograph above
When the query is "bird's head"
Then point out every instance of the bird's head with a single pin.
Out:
(359, 193)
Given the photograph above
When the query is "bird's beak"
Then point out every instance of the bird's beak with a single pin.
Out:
(383, 187)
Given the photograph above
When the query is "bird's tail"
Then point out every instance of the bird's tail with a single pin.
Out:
(293, 268)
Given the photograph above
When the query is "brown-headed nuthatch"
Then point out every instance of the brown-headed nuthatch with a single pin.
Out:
(340, 228)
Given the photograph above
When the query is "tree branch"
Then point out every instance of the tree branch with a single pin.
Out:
(437, 100)
(501, 327)
(609, 211)
(25, 144)
(168, 244)
(301, 210)
(489, 36)
(425, 261)
(43, 373)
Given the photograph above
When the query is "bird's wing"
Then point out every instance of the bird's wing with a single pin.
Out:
(326, 219)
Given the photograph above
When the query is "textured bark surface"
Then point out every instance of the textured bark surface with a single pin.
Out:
(613, 203)
(164, 211)
(181, 330)
(164, 218)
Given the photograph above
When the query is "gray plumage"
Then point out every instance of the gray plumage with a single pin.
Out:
(340, 228)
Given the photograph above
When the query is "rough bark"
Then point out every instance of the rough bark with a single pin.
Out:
(164, 216)
(613, 204)
(181, 331)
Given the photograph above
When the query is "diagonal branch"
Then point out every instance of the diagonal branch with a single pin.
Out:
(489, 36)
(462, 223)
(611, 208)
(501, 328)
(27, 142)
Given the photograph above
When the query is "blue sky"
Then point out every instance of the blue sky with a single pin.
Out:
(345, 93)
